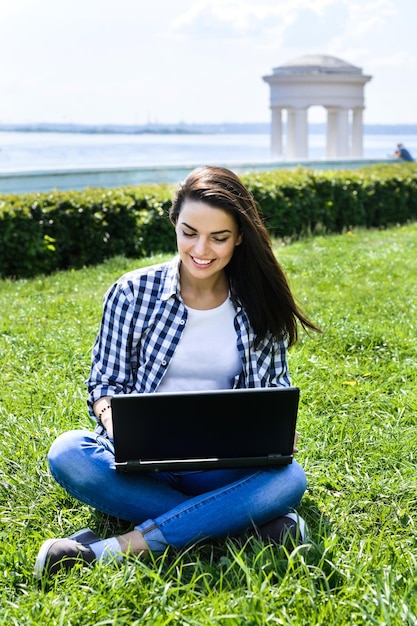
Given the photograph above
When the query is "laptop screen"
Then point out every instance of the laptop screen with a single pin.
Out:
(221, 428)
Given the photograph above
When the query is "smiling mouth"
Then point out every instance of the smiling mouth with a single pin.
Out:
(201, 262)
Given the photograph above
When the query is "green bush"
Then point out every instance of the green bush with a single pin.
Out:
(26, 249)
(305, 201)
(44, 232)
(41, 233)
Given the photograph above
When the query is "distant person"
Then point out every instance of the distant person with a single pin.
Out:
(224, 286)
(403, 153)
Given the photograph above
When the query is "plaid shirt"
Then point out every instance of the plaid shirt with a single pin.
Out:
(143, 319)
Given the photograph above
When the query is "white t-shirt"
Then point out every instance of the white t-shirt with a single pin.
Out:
(207, 356)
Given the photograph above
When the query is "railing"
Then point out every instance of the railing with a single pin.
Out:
(28, 181)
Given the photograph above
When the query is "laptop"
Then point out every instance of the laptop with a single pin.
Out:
(201, 430)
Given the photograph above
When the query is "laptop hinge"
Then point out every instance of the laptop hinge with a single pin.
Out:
(279, 459)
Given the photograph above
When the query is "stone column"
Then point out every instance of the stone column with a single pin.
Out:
(357, 132)
(337, 141)
(301, 133)
(290, 152)
(297, 128)
(343, 133)
(276, 131)
(331, 133)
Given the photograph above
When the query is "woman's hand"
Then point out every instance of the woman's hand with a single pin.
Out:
(295, 449)
(107, 421)
(102, 410)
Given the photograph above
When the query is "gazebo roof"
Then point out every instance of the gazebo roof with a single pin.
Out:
(317, 64)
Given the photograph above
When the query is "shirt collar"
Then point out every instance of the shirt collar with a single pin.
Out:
(172, 279)
(172, 283)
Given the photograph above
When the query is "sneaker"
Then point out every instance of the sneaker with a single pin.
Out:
(86, 536)
(62, 554)
(280, 529)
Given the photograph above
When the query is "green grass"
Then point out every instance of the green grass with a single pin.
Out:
(358, 444)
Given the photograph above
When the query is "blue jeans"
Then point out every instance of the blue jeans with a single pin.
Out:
(173, 508)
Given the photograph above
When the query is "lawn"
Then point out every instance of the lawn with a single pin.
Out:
(358, 425)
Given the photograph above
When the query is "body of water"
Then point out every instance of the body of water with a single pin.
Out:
(22, 151)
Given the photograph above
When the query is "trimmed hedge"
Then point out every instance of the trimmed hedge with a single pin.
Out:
(303, 201)
(44, 232)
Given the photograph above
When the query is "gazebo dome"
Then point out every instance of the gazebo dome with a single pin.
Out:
(313, 63)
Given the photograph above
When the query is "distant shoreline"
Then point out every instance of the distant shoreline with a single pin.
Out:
(189, 129)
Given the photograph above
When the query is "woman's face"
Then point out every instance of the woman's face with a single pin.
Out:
(206, 238)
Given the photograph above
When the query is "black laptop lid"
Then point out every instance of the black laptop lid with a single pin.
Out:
(204, 429)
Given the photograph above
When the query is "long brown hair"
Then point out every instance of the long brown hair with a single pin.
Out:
(255, 276)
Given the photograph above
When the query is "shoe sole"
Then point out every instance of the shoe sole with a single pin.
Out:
(41, 558)
(302, 526)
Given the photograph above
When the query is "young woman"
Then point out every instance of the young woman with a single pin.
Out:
(162, 329)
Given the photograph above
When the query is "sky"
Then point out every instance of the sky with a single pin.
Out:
(172, 61)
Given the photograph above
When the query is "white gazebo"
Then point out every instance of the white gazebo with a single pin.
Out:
(317, 80)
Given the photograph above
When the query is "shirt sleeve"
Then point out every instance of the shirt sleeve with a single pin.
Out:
(279, 374)
(111, 368)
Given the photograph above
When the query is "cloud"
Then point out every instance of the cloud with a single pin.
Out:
(18, 7)
(96, 58)
(233, 19)
(362, 14)
(400, 59)
(299, 23)
(316, 30)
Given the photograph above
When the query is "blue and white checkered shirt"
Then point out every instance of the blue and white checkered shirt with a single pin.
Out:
(143, 319)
